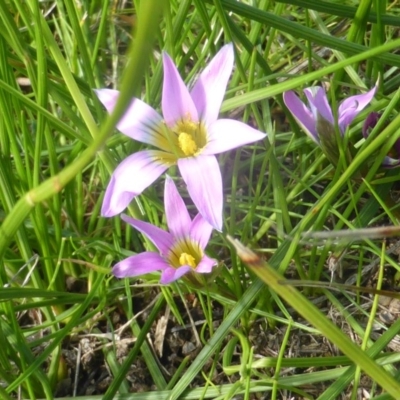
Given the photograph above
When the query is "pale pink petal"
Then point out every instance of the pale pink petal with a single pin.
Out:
(227, 134)
(302, 114)
(178, 218)
(209, 90)
(140, 122)
(318, 102)
(177, 104)
(200, 231)
(352, 106)
(204, 183)
(162, 240)
(139, 264)
(108, 97)
(131, 177)
(206, 265)
(172, 274)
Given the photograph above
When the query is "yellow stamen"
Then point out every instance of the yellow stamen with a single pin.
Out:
(187, 259)
(187, 144)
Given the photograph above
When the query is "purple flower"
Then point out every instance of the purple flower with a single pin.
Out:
(392, 160)
(189, 135)
(317, 120)
(181, 250)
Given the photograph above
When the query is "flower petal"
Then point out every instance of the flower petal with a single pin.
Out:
(390, 162)
(172, 274)
(139, 264)
(177, 103)
(352, 106)
(370, 123)
(140, 122)
(178, 218)
(302, 114)
(162, 240)
(131, 177)
(200, 231)
(206, 265)
(318, 102)
(227, 134)
(209, 90)
(204, 183)
(108, 97)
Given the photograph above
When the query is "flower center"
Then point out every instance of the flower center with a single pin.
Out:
(185, 252)
(191, 137)
(187, 144)
(187, 259)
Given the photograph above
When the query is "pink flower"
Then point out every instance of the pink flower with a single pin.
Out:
(181, 250)
(317, 119)
(189, 134)
(319, 111)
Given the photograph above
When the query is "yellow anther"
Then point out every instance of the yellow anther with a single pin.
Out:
(187, 144)
(187, 259)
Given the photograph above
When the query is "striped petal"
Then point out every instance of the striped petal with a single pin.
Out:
(131, 177)
(140, 122)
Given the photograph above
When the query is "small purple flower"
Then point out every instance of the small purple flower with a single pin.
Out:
(181, 250)
(317, 119)
(189, 134)
(392, 160)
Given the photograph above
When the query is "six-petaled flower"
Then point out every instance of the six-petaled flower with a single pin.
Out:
(317, 119)
(180, 251)
(188, 135)
(318, 122)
